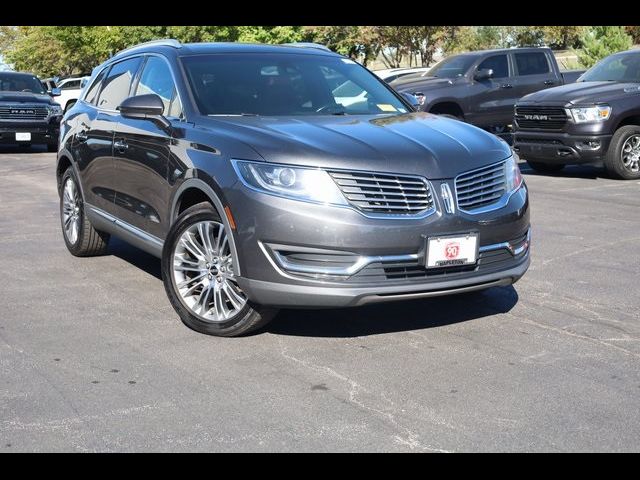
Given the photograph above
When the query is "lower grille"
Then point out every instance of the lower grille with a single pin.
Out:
(384, 193)
(538, 141)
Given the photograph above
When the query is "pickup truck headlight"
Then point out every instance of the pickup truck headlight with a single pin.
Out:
(599, 113)
(299, 183)
(55, 110)
(512, 175)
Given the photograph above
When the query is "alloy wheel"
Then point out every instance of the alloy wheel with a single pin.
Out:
(631, 153)
(71, 211)
(204, 275)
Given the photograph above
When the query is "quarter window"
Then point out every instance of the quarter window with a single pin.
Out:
(156, 78)
(118, 83)
(498, 63)
(532, 63)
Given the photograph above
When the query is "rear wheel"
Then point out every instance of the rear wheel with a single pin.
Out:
(546, 167)
(199, 277)
(81, 238)
(623, 157)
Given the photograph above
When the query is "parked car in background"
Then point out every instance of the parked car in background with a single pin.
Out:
(70, 89)
(28, 114)
(258, 188)
(482, 87)
(391, 74)
(596, 120)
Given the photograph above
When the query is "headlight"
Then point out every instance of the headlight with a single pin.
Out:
(599, 113)
(512, 175)
(55, 110)
(300, 183)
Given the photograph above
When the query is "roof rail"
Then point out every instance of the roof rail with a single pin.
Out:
(319, 46)
(167, 42)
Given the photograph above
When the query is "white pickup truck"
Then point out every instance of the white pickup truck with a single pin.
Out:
(70, 89)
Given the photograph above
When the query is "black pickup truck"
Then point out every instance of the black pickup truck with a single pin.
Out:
(482, 87)
(596, 120)
(28, 114)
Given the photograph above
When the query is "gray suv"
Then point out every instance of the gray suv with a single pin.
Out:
(260, 183)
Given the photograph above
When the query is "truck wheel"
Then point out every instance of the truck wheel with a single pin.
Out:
(199, 277)
(623, 157)
(545, 167)
(81, 238)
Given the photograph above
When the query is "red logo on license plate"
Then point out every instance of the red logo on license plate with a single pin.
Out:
(452, 250)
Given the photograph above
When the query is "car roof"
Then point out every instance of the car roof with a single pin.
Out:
(9, 72)
(186, 49)
(505, 50)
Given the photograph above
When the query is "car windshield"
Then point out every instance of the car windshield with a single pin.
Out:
(452, 67)
(10, 82)
(616, 68)
(286, 84)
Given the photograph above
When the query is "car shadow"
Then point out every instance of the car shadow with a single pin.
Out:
(15, 148)
(393, 317)
(136, 257)
(570, 171)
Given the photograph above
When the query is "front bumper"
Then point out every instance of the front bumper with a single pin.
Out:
(561, 147)
(311, 233)
(41, 132)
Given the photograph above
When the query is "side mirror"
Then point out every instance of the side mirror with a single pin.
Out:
(55, 92)
(484, 74)
(145, 107)
(413, 101)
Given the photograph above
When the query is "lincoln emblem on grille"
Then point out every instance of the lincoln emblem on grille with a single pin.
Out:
(536, 117)
(447, 198)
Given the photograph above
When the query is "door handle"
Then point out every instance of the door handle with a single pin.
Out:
(506, 85)
(549, 82)
(82, 136)
(120, 145)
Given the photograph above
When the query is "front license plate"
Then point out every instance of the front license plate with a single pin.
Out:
(23, 136)
(452, 251)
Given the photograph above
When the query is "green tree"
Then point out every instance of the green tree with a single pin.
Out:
(600, 42)
(564, 37)
(634, 32)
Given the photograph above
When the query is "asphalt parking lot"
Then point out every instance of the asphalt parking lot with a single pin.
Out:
(93, 357)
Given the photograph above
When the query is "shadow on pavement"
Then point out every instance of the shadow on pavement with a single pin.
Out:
(135, 257)
(570, 171)
(394, 316)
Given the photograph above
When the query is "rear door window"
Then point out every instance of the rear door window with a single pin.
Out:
(532, 63)
(117, 84)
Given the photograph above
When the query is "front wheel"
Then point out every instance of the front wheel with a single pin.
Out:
(199, 277)
(546, 167)
(623, 157)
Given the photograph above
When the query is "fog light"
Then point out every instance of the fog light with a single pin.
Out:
(592, 144)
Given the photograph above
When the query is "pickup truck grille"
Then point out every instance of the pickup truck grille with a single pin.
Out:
(384, 193)
(23, 112)
(541, 118)
(481, 187)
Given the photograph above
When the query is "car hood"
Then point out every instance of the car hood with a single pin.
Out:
(583, 93)
(25, 97)
(415, 143)
(418, 83)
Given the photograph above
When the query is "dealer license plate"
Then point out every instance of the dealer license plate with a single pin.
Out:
(452, 251)
(23, 136)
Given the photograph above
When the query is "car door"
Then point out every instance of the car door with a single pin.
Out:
(141, 154)
(493, 99)
(95, 131)
(533, 72)
(92, 147)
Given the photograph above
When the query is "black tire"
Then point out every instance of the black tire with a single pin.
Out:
(90, 242)
(546, 167)
(613, 159)
(249, 318)
(52, 147)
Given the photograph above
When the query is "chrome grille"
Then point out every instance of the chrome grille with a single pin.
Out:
(481, 187)
(23, 112)
(384, 193)
(541, 118)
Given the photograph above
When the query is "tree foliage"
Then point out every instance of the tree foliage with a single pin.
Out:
(602, 41)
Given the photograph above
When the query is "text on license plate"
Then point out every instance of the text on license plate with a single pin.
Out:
(452, 251)
(23, 136)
